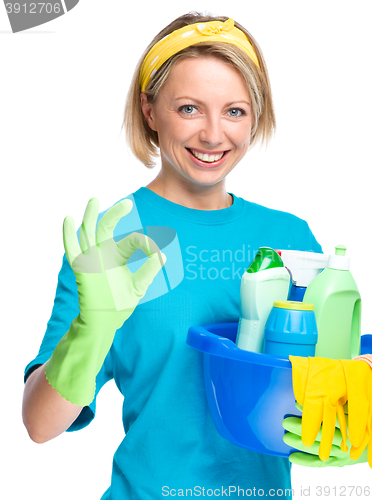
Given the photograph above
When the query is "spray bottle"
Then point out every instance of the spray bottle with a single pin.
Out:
(265, 280)
(303, 268)
(337, 307)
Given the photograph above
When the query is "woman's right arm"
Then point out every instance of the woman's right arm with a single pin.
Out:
(46, 414)
(108, 293)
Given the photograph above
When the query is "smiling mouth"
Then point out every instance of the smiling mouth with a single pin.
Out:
(206, 157)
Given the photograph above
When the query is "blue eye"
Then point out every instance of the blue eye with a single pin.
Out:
(187, 109)
(237, 110)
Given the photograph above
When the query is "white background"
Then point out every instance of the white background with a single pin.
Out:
(62, 93)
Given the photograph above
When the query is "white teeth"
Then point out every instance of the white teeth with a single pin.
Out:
(205, 157)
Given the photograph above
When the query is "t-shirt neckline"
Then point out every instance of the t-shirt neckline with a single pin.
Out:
(207, 216)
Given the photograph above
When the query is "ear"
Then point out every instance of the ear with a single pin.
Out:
(148, 111)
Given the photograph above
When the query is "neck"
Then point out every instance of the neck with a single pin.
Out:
(193, 196)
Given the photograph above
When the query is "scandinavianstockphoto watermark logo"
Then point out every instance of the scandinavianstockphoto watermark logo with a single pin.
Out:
(214, 264)
(26, 14)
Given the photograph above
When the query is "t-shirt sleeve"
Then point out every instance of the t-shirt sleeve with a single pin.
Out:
(65, 309)
(314, 246)
(304, 238)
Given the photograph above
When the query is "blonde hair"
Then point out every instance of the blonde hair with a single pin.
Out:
(144, 142)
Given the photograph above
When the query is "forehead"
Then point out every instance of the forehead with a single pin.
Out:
(203, 76)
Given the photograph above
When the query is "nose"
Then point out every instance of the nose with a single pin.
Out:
(212, 132)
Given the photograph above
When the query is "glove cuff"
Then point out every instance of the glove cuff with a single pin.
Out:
(365, 357)
(77, 359)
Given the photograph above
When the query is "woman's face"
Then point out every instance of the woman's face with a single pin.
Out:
(203, 118)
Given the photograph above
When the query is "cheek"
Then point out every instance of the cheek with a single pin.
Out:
(243, 136)
(163, 127)
(172, 129)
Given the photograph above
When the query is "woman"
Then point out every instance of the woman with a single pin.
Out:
(200, 94)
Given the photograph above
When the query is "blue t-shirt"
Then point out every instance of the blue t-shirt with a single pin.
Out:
(171, 443)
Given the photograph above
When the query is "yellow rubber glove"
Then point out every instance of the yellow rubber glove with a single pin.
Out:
(319, 385)
(358, 376)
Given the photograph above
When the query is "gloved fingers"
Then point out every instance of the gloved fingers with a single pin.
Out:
(137, 241)
(357, 427)
(346, 420)
(300, 368)
(358, 379)
(359, 456)
(299, 407)
(295, 441)
(294, 424)
(328, 430)
(346, 408)
(342, 424)
(70, 240)
(356, 451)
(106, 226)
(369, 431)
(143, 278)
(306, 460)
(88, 226)
(312, 417)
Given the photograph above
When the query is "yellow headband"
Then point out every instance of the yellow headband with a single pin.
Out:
(213, 31)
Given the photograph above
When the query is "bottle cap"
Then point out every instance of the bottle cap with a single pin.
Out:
(339, 260)
(293, 305)
(266, 258)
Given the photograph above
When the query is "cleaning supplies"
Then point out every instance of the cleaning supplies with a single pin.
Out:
(265, 280)
(291, 329)
(303, 267)
(337, 307)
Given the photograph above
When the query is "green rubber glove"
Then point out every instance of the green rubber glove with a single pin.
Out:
(310, 457)
(108, 294)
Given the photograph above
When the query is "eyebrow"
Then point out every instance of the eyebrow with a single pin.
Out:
(200, 102)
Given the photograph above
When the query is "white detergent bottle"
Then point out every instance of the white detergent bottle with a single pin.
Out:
(265, 281)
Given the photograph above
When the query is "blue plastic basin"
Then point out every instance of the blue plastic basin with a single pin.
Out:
(249, 394)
